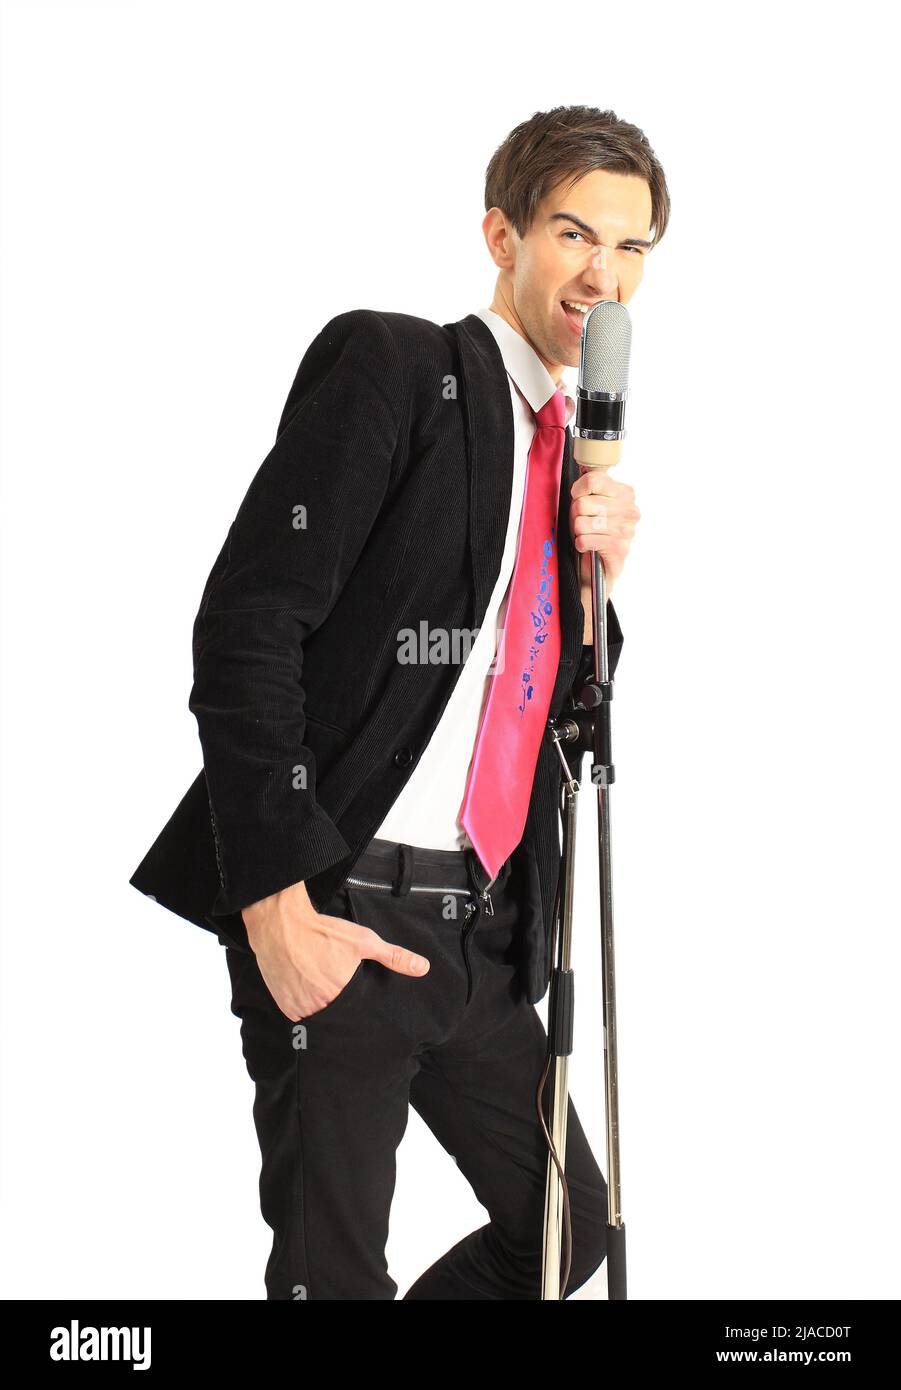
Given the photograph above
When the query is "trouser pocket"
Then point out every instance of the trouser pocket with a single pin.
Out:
(422, 1007)
(340, 905)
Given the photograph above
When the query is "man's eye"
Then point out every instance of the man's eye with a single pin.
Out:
(636, 250)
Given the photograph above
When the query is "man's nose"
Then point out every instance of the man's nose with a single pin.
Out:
(599, 272)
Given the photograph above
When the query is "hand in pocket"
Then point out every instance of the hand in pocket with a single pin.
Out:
(307, 958)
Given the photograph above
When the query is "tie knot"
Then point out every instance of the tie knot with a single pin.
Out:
(553, 412)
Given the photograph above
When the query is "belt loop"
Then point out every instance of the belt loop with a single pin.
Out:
(401, 885)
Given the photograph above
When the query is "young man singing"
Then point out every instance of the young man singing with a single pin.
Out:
(400, 605)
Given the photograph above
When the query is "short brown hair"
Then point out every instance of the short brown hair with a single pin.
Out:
(570, 140)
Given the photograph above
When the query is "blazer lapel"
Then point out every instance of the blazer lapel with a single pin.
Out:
(488, 415)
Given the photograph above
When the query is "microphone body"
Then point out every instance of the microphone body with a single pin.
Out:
(599, 429)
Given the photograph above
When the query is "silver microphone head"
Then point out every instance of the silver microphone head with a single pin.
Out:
(606, 343)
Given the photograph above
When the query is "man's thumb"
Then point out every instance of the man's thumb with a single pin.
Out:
(403, 961)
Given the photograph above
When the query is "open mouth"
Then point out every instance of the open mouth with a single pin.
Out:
(574, 316)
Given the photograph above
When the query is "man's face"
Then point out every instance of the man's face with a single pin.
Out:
(588, 242)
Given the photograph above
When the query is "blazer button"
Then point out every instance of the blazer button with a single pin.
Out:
(403, 757)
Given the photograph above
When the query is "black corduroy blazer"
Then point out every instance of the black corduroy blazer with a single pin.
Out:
(381, 506)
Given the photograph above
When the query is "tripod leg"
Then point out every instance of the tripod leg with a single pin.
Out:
(602, 774)
(553, 1211)
(560, 1016)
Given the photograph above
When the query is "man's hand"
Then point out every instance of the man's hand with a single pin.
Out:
(602, 517)
(306, 957)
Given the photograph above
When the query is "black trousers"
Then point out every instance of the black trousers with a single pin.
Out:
(460, 1044)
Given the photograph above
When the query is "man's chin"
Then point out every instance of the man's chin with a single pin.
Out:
(566, 357)
(567, 354)
(561, 354)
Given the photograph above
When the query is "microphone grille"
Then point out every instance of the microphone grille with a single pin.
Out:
(606, 343)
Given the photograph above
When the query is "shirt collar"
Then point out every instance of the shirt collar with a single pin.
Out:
(525, 368)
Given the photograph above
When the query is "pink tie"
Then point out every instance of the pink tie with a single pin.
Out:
(514, 719)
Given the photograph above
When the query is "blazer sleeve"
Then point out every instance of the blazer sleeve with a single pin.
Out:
(274, 583)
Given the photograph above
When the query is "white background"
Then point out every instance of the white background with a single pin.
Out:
(190, 191)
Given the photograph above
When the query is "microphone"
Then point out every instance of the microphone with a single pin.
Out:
(603, 385)
(598, 433)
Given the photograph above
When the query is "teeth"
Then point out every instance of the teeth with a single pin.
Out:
(582, 308)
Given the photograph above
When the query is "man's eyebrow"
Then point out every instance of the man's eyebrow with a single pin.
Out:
(571, 217)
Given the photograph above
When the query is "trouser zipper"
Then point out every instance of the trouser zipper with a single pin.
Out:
(414, 887)
(485, 897)
(468, 925)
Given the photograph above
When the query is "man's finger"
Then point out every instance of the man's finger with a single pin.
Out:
(599, 481)
(596, 480)
(398, 958)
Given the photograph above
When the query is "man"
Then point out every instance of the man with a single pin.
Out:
(374, 836)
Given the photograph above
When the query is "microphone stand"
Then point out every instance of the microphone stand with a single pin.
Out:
(586, 729)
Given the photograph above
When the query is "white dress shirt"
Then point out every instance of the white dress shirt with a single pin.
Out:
(426, 811)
